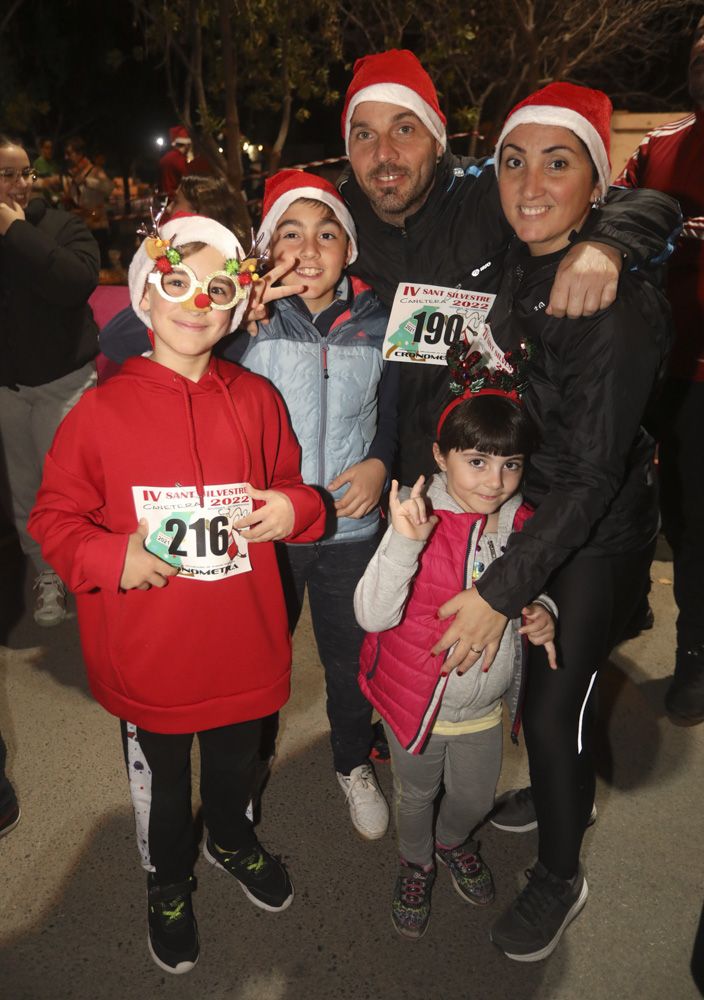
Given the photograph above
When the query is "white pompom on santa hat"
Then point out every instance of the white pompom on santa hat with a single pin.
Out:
(286, 187)
(584, 111)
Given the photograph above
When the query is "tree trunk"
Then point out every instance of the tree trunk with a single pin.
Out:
(286, 103)
(233, 137)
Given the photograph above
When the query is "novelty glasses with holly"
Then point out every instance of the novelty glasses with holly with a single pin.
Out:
(218, 291)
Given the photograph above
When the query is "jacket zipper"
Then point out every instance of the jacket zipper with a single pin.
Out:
(323, 409)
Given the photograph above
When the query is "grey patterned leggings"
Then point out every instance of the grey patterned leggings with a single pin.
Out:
(468, 765)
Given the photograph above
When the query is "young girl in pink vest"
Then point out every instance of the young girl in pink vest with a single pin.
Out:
(445, 728)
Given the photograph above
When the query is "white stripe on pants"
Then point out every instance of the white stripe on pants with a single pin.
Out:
(468, 765)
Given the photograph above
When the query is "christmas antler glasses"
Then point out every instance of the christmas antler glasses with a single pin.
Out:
(176, 282)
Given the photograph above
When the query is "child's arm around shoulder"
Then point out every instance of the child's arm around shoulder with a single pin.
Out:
(383, 591)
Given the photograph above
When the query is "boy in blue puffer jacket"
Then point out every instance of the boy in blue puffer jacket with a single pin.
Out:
(322, 351)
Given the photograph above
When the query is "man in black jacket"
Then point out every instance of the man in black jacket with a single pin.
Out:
(424, 215)
(49, 265)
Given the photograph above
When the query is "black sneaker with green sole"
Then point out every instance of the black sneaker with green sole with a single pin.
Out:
(263, 878)
(173, 932)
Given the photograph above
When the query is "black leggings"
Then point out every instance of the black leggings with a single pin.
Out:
(595, 596)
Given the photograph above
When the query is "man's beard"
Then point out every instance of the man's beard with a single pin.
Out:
(393, 206)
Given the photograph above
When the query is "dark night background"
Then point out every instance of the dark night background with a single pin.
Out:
(80, 67)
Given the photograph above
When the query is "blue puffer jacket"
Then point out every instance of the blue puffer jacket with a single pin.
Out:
(330, 385)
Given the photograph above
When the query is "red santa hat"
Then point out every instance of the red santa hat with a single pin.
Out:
(287, 186)
(178, 134)
(394, 77)
(584, 111)
(185, 228)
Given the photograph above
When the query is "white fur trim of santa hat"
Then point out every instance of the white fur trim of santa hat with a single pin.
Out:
(404, 97)
(553, 114)
(186, 229)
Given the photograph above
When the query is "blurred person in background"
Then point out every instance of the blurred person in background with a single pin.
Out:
(670, 159)
(87, 191)
(49, 265)
(48, 173)
(173, 165)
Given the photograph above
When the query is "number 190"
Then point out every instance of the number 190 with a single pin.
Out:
(431, 327)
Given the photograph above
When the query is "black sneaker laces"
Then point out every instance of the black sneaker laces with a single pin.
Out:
(538, 896)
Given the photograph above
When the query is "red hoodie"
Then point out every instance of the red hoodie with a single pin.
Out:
(200, 652)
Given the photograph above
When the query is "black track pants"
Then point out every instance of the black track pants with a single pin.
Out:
(159, 772)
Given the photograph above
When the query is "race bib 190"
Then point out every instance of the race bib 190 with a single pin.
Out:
(427, 319)
(201, 541)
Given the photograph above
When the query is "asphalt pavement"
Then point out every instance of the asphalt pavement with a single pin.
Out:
(72, 894)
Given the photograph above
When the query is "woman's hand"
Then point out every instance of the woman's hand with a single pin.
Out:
(539, 629)
(263, 292)
(410, 517)
(366, 481)
(477, 629)
(10, 211)
(586, 281)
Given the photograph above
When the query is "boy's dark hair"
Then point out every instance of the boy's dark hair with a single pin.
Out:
(494, 425)
(214, 198)
(326, 211)
(188, 249)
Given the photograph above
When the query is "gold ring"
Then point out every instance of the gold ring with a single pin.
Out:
(476, 650)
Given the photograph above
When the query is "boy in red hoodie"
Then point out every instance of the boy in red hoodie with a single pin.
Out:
(155, 491)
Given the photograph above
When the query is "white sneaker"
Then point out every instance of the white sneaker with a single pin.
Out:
(368, 808)
(50, 604)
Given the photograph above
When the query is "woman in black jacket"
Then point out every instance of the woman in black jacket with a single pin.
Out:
(592, 537)
(49, 266)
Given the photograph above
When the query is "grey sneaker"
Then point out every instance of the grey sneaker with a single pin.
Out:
(532, 926)
(410, 907)
(469, 873)
(50, 602)
(514, 812)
